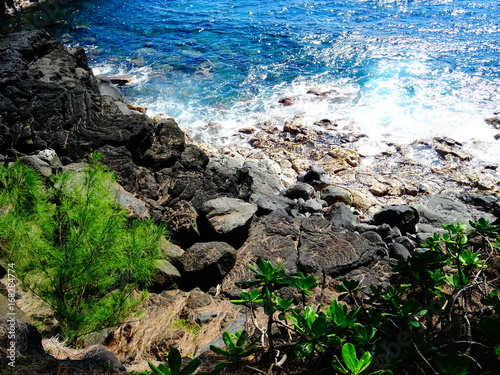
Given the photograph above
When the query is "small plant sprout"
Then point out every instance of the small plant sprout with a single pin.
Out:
(238, 346)
(350, 363)
(174, 365)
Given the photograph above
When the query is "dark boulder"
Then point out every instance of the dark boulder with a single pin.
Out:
(205, 264)
(396, 250)
(438, 210)
(270, 203)
(385, 231)
(48, 94)
(275, 238)
(406, 242)
(485, 201)
(168, 145)
(299, 190)
(311, 245)
(315, 176)
(403, 217)
(324, 248)
(342, 216)
(372, 236)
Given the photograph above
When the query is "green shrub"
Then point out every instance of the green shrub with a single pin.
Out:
(439, 314)
(74, 246)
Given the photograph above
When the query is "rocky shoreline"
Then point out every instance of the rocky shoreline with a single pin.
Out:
(318, 207)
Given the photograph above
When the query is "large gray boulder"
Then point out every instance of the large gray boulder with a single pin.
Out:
(311, 245)
(227, 214)
(438, 210)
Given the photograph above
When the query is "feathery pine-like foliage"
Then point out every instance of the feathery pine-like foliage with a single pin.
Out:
(74, 246)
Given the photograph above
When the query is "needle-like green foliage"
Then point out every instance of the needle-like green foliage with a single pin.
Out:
(74, 246)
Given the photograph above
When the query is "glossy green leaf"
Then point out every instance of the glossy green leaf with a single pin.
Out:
(174, 361)
(191, 366)
(349, 357)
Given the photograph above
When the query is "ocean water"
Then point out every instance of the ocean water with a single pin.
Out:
(397, 70)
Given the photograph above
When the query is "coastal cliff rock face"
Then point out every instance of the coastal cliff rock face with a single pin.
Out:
(223, 207)
(49, 98)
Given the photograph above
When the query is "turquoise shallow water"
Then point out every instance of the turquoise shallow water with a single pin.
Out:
(396, 69)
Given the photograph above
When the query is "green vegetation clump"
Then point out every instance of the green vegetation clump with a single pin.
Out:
(74, 246)
(440, 315)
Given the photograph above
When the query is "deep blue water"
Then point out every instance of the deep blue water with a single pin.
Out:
(397, 69)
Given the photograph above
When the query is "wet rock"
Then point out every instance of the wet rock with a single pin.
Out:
(379, 190)
(246, 130)
(403, 217)
(286, 102)
(485, 201)
(350, 156)
(445, 150)
(120, 79)
(296, 126)
(106, 87)
(494, 122)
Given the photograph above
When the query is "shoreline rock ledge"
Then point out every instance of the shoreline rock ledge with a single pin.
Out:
(224, 206)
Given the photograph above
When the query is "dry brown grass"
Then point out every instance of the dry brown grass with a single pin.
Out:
(169, 323)
(58, 349)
